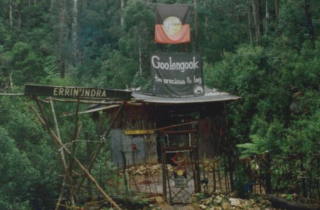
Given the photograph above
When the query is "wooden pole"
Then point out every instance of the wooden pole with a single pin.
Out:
(61, 152)
(196, 31)
(88, 158)
(197, 169)
(178, 125)
(164, 172)
(75, 137)
(90, 177)
(124, 172)
(249, 23)
(85, 101)
(61, 193)
(65, 178)
(307, 6)
(268, 174)
(105, 135)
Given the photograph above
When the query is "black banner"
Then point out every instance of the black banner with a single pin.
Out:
(177, 75)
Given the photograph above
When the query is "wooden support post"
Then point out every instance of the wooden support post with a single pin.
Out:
(196, 33)
(214, 177)
(105, 135)
(124, 172)
(61, 152)
(65, 178)
(90, 177)
(61, 193)
(318, 176)
(268, 174)
(164, 173)
(75, 137)
(197, 170)
(88, 158)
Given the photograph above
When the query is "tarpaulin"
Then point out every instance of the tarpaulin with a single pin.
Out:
(177, 74)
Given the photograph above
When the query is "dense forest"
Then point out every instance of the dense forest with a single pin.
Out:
(265, 51)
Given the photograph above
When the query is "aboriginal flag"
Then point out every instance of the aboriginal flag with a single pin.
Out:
(172, 26)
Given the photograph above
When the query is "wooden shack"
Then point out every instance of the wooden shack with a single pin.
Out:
(170, 131)
(148, 122)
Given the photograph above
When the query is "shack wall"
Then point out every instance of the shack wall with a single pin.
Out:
(137, 149)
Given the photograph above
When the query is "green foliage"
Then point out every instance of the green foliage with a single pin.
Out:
(118, 70)
(32, 148)
(278, 80)
(25, 64)
(16, 174)
(267, 137)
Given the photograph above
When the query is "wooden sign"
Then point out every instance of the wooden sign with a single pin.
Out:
(138, 132)
(76, 92)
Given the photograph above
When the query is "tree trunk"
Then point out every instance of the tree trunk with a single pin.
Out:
(122, 13)
(268, 174)
(85, 3)
(19, 8)
(196, 44)
(89, 189)
(140, 57)
(10, 84)
(256, 19)
(62, 37)
(276, 8)
(281, 203)
(267, 17)
(309, 22)
(206, 20)
(249, 24)
(10, 14)
(62, 67)
(74, 31)
(304, 187)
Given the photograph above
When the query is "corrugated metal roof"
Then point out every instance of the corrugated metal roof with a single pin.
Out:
(211, 95)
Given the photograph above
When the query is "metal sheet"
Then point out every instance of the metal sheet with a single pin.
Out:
(144, 152)
(211, 95)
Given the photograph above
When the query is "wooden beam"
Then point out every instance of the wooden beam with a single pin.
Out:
(90, 177)
(104, 136)
(178, 132)
(61, 152)
(178, 125)
(87, 101)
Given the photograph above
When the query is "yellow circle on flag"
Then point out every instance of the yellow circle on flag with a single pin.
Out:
(180, 172)
(172, 25)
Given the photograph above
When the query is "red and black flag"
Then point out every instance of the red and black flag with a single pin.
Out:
(172, 26)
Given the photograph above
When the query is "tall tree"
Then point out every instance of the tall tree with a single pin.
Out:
(276, 8)
(256, 12)
(63, 34)
(307, 6)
